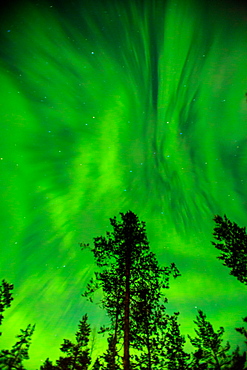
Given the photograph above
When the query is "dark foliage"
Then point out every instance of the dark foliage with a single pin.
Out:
(77, 354)
(210, 350)
(5, 297)
(233, 246)
(12, 359)
(176, 357)
(47, 365)
(111, 359)
(141, 335)
(242, 330)
(238, 360)
(132, 282)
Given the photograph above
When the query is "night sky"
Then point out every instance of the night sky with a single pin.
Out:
(110, 106)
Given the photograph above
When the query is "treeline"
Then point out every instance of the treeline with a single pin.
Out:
(140, 334)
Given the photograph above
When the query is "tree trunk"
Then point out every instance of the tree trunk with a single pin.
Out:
(115, 337)
(126, 357)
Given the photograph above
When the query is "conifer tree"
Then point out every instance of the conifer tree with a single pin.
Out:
(176, 357)
(47, 365)
(110, 357)
(238, 360)
(132, 282)
(210, 351)
(242, 330)
(77, 354)
(12, 359)
(5, 297)
(233, 246)
(148, 335)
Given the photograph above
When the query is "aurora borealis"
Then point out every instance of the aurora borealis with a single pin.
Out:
(108, 106)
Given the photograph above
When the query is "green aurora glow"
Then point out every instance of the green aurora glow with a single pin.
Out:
(110, 106)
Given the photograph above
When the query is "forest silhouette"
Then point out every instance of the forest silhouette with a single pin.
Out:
(140, 334)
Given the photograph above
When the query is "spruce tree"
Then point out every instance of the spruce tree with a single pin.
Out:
(176, 357)
(47, 365)
(5, 297)
(77, 354)
(12, 359)
(110, 357)
(242, 330)
(233, 246)
(238, 360)
(232, 242)
(210, 350)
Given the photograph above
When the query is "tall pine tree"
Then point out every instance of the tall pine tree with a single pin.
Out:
(132, 284)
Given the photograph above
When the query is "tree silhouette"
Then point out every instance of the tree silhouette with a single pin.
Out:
(210, 350)
(233, 246)
(5, 297)
(110, 357)
(77, 354)
(238, 360)
(141, 335)
(176, 357)
(149, 334)
(12, 359)
(132, 282)
(47, 365)
(234, 253)
(242, 330)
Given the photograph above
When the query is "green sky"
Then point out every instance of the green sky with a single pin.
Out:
(108, 106)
